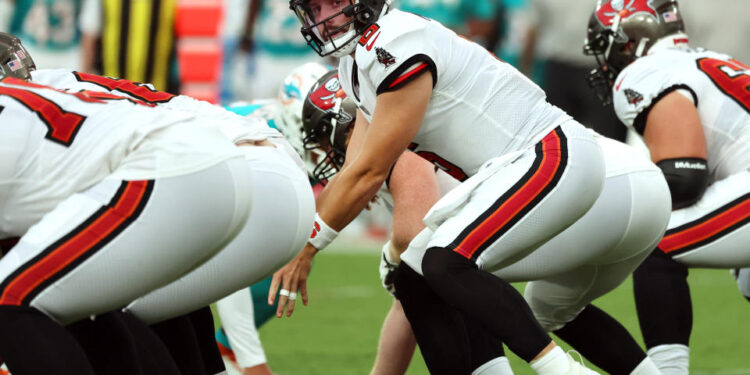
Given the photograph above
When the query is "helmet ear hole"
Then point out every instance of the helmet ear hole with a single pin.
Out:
(365, 16)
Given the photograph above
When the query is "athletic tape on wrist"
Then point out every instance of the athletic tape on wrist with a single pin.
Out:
(322, 234)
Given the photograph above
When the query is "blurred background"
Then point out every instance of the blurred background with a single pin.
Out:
(225, 51)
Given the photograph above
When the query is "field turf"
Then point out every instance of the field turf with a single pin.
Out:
(338, 332)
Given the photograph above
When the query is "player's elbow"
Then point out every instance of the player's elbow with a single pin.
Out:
(687, 179)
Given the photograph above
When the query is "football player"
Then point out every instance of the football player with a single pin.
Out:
(278, 228)
(528, 170)
(88, 182)
(692, 108)
(564, 277)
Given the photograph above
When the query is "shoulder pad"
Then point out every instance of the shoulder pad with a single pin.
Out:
(642, 84)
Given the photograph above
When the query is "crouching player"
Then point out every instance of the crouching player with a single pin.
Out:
(279, 194)
(89, 184)
(692, 109)
(587, 260)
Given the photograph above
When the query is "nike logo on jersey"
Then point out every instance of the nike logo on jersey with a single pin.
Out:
(617, 88)
(369, 46)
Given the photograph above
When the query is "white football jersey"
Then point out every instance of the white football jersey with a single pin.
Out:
(55, 143)
(717, 84)
(235, 127)
(480, 108)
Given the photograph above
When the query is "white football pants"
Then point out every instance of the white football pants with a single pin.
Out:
(281, 216)
(100, 249)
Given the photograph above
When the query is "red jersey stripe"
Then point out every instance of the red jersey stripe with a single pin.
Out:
(77, 245)
(551, 159)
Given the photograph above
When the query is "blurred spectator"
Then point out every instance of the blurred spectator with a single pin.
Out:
(475, 19)
(513, 25)
(48, 29)
(272, 35)
(556, 35)
(719, 25)
(236, 66)
(132, 39)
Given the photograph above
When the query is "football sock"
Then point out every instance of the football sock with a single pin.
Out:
(603, 341)
(27, 333)
(439, 329)
(662, 300)
(179, 337)
(108, 343)
(671, 359)
(484, 346)
(553, 362)
(203, 325)
(491, 301)
(154, 356)
(497, 366)
(647, 367)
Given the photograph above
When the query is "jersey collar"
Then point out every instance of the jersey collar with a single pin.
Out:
(675, 41)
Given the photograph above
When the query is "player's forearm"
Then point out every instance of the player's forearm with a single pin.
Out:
(353, 189)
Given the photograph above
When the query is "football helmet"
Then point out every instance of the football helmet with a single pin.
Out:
(328, 116)
(288, 115)
(15, 61)
(361, 14)
(621, 31)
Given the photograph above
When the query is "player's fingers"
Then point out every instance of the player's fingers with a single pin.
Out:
(293, 286)
(303, 292)
(275, 281)
(288, 284)
(290, 306)
(280, 308)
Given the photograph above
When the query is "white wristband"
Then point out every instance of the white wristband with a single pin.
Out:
(322, 234)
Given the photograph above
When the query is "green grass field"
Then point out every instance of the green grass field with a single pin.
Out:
(337, 332)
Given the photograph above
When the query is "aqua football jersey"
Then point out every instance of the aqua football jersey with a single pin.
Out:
(451, 13)
(51, 24)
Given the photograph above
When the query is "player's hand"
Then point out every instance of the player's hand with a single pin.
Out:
(292, 278)
(388, 269)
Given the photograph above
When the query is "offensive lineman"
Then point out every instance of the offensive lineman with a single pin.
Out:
(528, 170)
(692, 109)
(83, 181)
(277, 229)
(567, 276)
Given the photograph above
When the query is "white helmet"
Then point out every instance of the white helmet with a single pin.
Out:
(288, 117)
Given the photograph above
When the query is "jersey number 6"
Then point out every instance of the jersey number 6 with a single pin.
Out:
(731, 77)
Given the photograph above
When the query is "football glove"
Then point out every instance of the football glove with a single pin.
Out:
(388, 269)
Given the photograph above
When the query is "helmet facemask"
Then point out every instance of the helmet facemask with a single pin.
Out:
(613, 52)
(340, 40)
